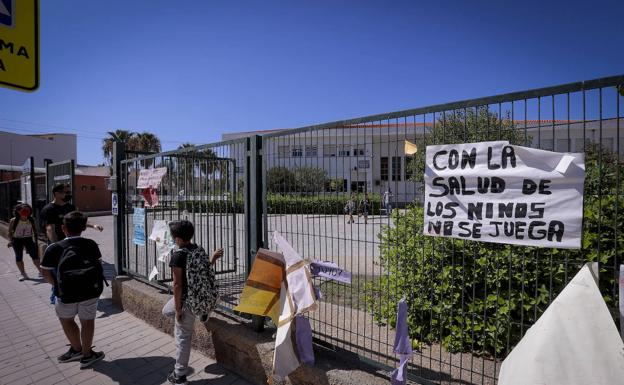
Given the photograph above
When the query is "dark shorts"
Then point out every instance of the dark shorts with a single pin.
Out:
(19, 244)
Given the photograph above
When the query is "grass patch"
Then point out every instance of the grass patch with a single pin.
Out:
(353, 296)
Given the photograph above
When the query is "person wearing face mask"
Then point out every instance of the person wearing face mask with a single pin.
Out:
(23, 235)
(52, 214)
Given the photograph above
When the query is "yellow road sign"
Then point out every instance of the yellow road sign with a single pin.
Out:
(19, 44)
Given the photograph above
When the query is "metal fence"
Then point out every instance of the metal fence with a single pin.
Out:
(470, 302)
(10, 194)
(201, 185)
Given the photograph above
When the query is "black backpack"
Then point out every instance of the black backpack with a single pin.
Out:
(79, 277)
(203, 291)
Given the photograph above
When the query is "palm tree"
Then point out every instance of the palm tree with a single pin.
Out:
(116, 136)
(146, 142)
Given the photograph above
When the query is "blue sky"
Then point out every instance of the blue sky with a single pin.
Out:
(191, 70)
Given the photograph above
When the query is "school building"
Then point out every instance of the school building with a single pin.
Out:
(372, 157)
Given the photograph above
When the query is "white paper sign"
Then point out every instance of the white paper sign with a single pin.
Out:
(151, 177)
(161, 235)
(496, 192)
(153, 273)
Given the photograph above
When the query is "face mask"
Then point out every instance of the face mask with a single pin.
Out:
(67, 198)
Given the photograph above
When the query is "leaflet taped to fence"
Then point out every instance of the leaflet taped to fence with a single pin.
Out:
(138, 220)
(497, 192)
(151, 177)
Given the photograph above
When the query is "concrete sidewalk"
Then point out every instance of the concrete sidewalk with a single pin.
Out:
(31, 338)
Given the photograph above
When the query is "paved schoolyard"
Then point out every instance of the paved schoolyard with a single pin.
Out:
(31, 337)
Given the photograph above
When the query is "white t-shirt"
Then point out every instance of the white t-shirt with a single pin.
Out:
(23, 230)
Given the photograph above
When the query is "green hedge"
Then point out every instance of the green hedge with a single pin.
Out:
(322, 204)
(285, 204)
(482, 297)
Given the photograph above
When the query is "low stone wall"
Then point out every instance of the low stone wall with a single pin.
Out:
(234, 345)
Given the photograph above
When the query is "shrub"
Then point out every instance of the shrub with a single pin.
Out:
(482, 297)
(282, 204)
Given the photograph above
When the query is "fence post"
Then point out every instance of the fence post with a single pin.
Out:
(253, 209)
(119, 154)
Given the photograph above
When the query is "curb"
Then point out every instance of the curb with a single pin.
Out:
(233, 344)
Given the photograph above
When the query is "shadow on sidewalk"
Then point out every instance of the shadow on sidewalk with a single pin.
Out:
(107, 307)
(126, 371)
(215, 369)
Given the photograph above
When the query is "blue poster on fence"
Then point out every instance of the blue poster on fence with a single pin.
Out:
(138, 219)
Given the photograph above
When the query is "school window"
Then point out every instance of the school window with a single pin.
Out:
(311, 151)
(363, 164)
(344, 151)
(329, 150)
(383, 168)
(409, 167)
(358, 152)
(283, 151)
(297, 152)
(396, 168)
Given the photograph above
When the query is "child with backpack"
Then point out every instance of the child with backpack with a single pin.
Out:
(195, 292)
(78, 281)
(23, 235)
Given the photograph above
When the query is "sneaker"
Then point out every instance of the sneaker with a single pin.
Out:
(175, 379)
(94, 357)
(70, 355)
(21, 278)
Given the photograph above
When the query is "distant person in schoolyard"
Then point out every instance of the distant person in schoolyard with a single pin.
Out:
(52, 214)
(365, 207)
(23, 235)
(52, 217)
(387, 200)
(78, 281)
(349, 208)
(191, 268)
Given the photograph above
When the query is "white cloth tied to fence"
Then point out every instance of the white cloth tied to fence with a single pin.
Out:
(297, 297)
(402, 344)
(575, 341)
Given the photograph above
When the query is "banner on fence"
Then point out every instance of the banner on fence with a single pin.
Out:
(138, 220)
(151, 177)
(330, 270)
(497, 192)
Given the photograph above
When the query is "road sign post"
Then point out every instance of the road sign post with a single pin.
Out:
(19, 44)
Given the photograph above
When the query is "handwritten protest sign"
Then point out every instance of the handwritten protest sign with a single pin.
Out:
(151, 177)
(496, 192)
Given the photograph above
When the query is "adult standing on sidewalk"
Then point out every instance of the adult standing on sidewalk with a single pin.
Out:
(52, 214)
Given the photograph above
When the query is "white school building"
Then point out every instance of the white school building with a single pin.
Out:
(372, 157)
